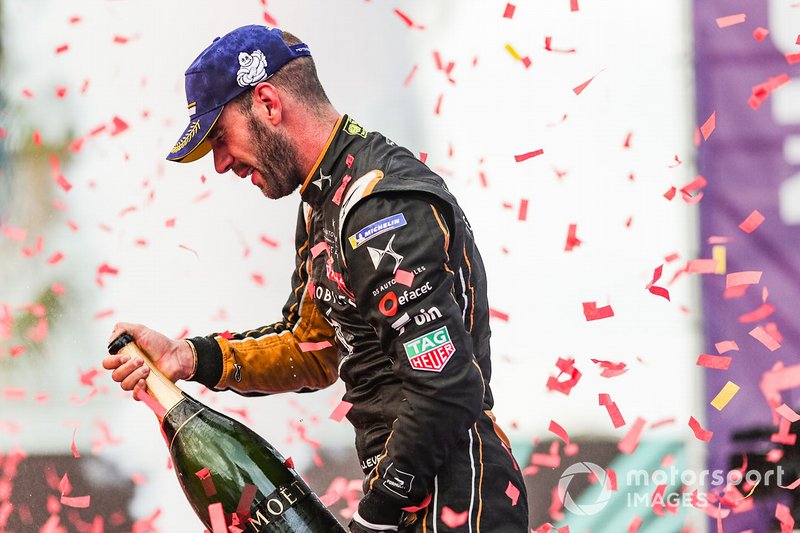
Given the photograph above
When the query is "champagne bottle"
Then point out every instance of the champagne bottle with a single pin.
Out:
(222, 463)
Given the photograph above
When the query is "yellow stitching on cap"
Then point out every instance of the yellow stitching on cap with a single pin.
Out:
(191, 105)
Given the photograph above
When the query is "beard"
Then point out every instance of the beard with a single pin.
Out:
(276, 160)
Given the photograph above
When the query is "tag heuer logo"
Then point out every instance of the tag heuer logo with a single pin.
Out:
(431, 351)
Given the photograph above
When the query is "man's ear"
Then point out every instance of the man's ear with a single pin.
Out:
(267, 102)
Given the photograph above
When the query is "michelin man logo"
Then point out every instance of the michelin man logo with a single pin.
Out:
(252, 68)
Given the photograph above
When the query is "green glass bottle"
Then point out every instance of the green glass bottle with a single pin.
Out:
(230, 475)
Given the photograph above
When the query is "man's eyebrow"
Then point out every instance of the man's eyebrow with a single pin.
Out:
(216, 133)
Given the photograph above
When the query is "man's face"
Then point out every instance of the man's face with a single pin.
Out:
(242, 143)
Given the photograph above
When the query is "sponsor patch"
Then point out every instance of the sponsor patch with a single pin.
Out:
(377, 254)
(351, 127)
(376, 228)
(431, 351)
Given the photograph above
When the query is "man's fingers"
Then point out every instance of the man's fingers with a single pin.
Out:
(140, 387)
(134, 377)
(112, 362)
(123, 327)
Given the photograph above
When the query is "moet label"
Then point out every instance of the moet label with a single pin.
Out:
(273, 506)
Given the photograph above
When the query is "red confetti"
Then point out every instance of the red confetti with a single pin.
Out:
(752, 222)
(609, 369)
(152, 403)
(523, 210)
(55, 258)
(404, 277)
(216, 516)
(736, 279)
(572, 239)
(726, 346)
(405, 18)
(528, 155)
(613, 410)
(508, 13)
(341, 411)
(670, 194)
(513, 493)
(438, 108)
(758, 314)
(548, 45)
(494, 313)
(717, 362)
(702, 434)
(792, 59)
(208, 483)
(565, 366)
(708, 127)
(119, 126)
(658, 291)
(119, 39)
(410, 77)
(701, 266)
(62, 48)
(731, 20)
(558, 431)
(762, 336)
(313, 346)
(573, 5)
(630, 441)
(592, 312)
(79, 502)
(72, 446)
(258, 279)
(759, 34)
(579, 89)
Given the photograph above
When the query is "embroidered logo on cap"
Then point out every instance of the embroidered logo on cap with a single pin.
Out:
(253, 68)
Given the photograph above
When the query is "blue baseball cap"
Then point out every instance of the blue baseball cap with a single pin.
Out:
(232, 64)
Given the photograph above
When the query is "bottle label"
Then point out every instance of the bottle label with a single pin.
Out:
(274, 505)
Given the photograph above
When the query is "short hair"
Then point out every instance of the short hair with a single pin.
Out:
(299, 78)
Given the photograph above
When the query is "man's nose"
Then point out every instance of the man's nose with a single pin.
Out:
(222, 160)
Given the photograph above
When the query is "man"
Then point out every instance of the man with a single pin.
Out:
(389, 293)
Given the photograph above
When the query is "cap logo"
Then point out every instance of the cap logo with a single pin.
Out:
(252, 68)
(190, 132)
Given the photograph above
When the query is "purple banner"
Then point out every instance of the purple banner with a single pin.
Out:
(751, 163)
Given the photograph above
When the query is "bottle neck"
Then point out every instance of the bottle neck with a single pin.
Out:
(159, 386)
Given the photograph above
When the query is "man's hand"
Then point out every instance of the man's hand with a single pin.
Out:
(173, 357)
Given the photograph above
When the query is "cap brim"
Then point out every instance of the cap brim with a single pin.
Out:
(192, 144)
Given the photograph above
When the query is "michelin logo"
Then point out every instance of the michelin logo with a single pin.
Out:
(377, 228)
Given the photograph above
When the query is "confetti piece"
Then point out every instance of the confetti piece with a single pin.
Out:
(759, 34)
(565, 366)
(513, 52)
(269, 242)
(494, 313)
(314, 346)
(609, 369)
(762, 336)
(410, 76)
(630, 441)
(523, 210)
(119, 126)
(340, 411)
(784, 516)
(708, 127)
(208, 484)
(731, 20)
(725, 395)
(749, 277)
(592, 312)
(78, 502)
(216, 516)
(573, 5)
(792, 59)
(701, 266)
(62, 48)
(119, 39)
(513, 493)
(405, 18)
(756, 315)
(451, 518)
(548, 42)
(788, 413)
(572, 239)
(55, 258)
(404, 277)
(528, 155)
(579, 89)
(422, 505)
(715, 362)
(152, 403)
(249, 492)
(792, 486)
(670, 194)
(72, 447)
(258, 279)
(658, 291)
(613, 410)
(558, 431)
(508, 13)
(752, 221)
(726, 346)
(699, 432)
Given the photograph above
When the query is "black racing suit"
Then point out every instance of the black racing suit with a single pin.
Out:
(388, 273)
